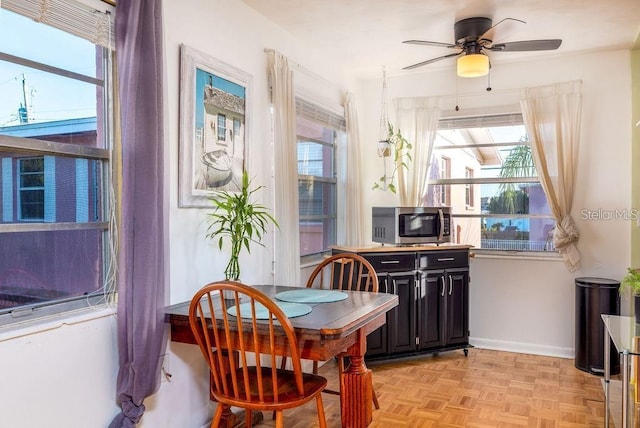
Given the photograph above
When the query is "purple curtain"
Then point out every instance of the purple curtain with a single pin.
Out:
(141, 276)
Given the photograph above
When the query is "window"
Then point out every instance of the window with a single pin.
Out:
(491, 184)
(468, 188)
(55, 116)
(445, 191)
(222, 127)
(31, 189)
(237, 130)
(318, 134)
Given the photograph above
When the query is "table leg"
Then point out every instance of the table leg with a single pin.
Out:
(625, 388)
(607, 374)
(356, 387)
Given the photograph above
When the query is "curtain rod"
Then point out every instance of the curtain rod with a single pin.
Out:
(306, 71)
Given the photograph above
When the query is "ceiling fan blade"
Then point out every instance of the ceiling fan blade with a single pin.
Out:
(427, 43)
(488, 35)
(527, 45)
(429, 61)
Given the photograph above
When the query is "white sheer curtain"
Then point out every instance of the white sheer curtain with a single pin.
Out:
(551, 116)
(417, 119)
(353, 204)
(287, 245)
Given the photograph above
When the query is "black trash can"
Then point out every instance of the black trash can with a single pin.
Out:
(595, 296)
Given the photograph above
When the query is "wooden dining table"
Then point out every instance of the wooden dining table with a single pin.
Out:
(330, 328)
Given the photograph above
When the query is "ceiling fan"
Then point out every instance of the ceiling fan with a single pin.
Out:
(473, 40)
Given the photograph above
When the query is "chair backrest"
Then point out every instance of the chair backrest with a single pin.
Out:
(346, 271)
(264, 328)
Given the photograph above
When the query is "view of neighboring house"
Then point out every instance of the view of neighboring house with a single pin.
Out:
(35, 188)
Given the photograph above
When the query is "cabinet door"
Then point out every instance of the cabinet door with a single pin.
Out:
(401, 320)
(377, 343)
(457, 310)
(431, 309)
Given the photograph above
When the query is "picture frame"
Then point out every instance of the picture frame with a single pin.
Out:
(215, 99)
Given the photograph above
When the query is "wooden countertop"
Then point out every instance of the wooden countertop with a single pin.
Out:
(378, 248)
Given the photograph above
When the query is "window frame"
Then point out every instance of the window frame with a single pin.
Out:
(469, 183)
(33, 147)
(328, 119)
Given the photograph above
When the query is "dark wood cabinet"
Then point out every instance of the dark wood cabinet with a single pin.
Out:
(401, 326)
(433, 310)
(444, 308)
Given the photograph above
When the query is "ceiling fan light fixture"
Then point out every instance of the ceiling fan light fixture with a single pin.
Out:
(473, 65)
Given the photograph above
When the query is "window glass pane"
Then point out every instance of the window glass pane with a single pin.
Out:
(317, 195)
(317, 216)
(23, 37)
(38, 267)
(47, 106)
(314, 130)
(62, 190)
(517, 221)
(315, 159)
(316, 198)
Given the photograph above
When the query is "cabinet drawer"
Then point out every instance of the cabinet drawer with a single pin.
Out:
(397, 262)
(443, 259)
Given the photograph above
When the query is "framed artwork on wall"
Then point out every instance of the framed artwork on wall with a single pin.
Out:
(215, 100)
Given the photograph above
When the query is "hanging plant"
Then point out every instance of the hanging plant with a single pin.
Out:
(399, 147)
(237, 219)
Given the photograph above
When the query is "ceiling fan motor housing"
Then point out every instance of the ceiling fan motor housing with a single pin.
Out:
(470, 29)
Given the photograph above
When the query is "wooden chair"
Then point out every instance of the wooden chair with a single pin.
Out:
(242, 380)
(345, 271)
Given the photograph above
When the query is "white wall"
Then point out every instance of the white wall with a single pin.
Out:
(528, 305)
(60, 373)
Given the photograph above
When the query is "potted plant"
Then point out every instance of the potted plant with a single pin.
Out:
(399, 146)
(631, 282)
(239, 220)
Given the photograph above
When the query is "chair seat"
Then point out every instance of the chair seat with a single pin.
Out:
(286, 385)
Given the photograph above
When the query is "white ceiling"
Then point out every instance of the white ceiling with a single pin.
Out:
(368, 34)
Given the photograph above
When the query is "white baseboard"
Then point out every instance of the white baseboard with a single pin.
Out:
(524, 348)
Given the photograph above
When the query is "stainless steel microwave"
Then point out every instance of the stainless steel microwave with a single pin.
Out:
(411, 225)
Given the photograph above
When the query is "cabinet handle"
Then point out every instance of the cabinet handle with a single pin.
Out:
(395, 289)
(443, 285)
(390, 262)
(450, 284)
(447, 259)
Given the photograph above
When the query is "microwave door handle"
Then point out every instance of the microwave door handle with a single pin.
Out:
(441, 231)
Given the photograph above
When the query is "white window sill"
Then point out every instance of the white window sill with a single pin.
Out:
(519, 255)
(53, 322)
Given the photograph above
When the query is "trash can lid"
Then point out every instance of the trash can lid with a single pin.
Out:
(595, 282)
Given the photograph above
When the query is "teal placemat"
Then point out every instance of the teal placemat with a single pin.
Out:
(291, 310)
(311, 295)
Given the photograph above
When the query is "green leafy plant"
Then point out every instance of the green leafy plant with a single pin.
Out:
(237, 219)
(400, 147)
(518, 163)
(631, 282)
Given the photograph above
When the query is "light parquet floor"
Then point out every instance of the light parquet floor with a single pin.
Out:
(486, 389)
